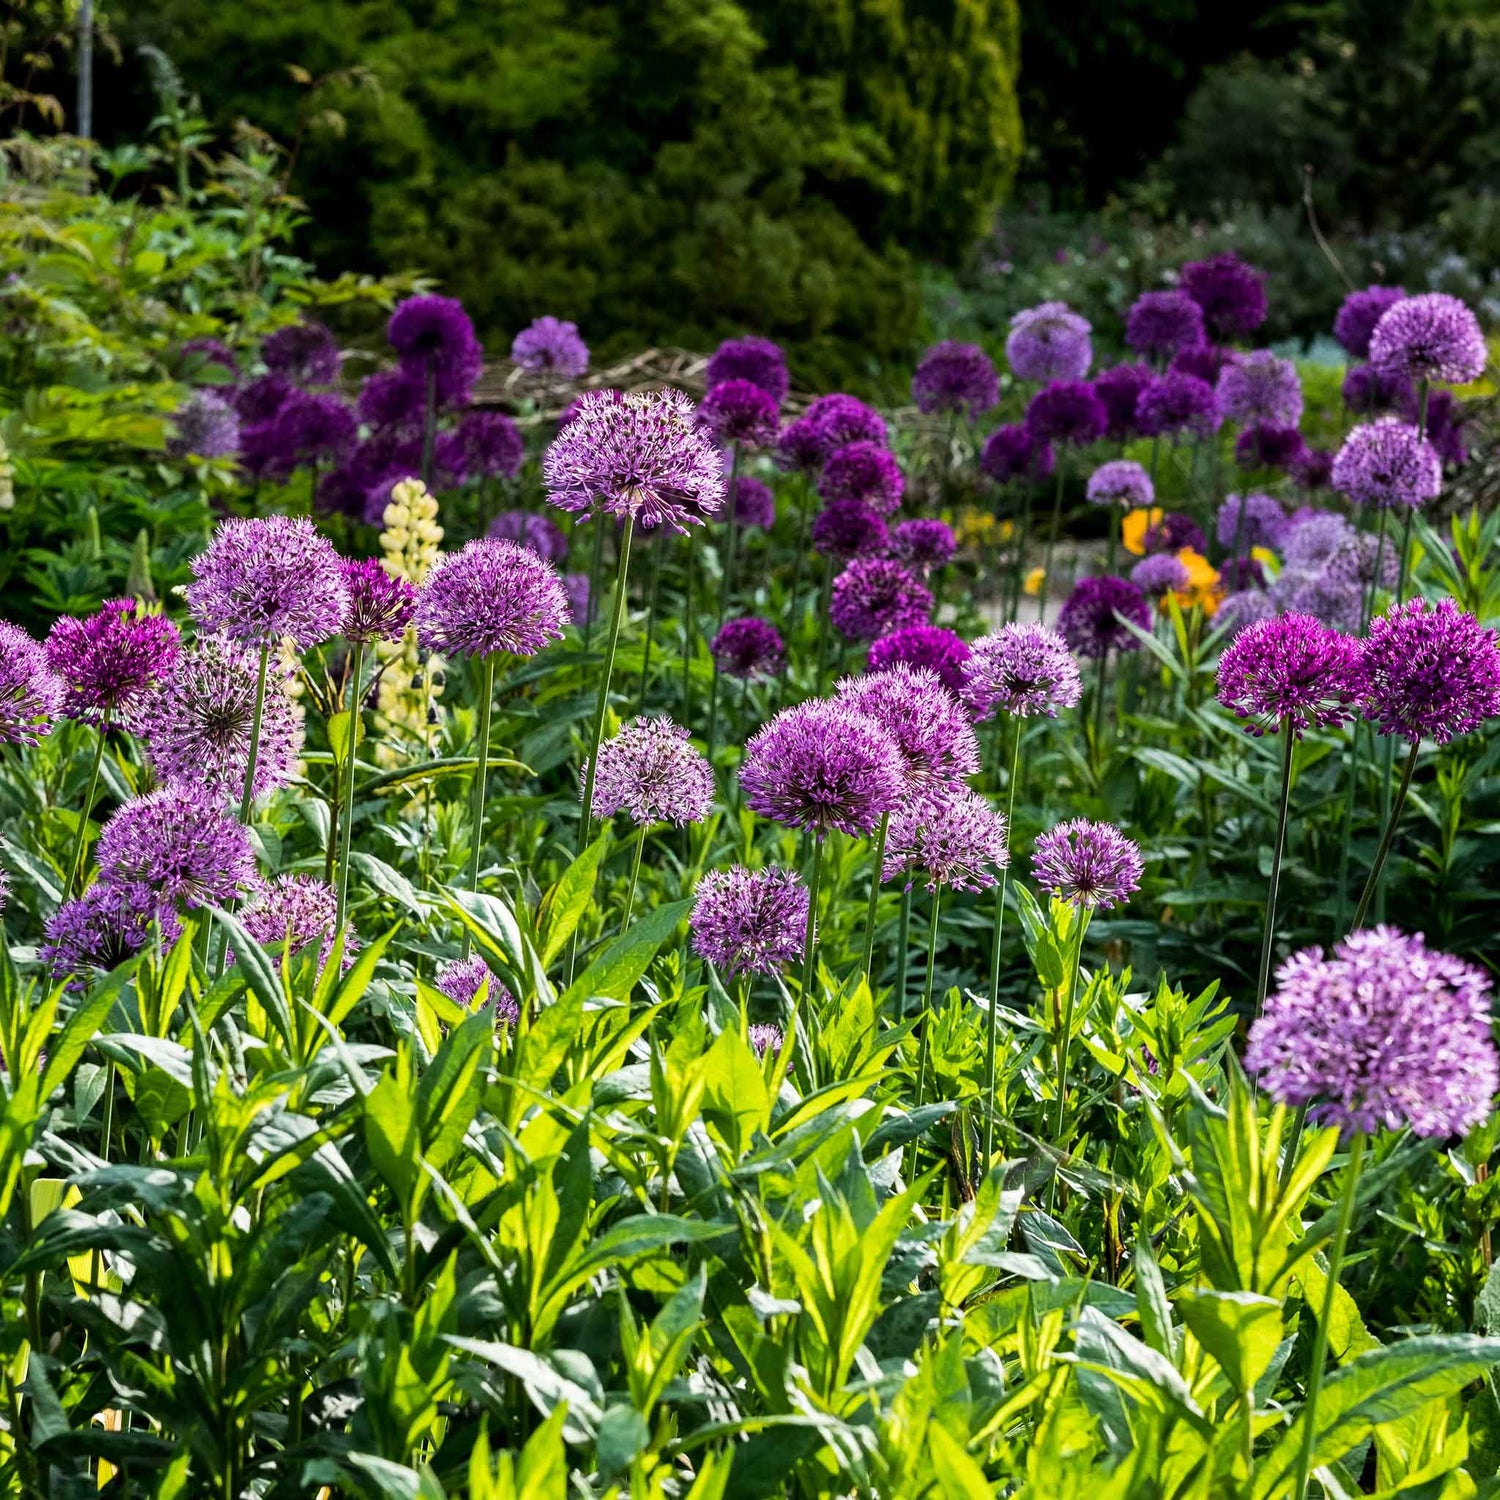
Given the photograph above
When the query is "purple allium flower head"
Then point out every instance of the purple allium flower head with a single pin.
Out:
(1365, 559)
(1249, 521)
(1049, 342)
(298, 910)
(652, 771)
(434, 334)
(1023, 671)
(739, 411)
(206, 426)
(110, 661)
(308, 428)
(1092, 865)
(1291, 670)
(1119, 391)
(1386, 1034)
(390, 400)
(1066, 411)
(491, 596)
(198, 354)
(1327, 595)
(642, 454)
(1230, 293)
(1360, 312)
(802, 446)
(303, 353)
(1429, 337)
(748, 648)
(1312, 468)
(1238, 573)
(527, 529)
(1386, 464)
(937, 742)
(266, 577)
(754, 359)
(104, 926)
(952, 836)
(461, 979)
(846, 419)
(550, 346)
(1368, 390)
(1262, 447)
(380, 606)
(1312, 538)
(181, 845)
(1121, 482)
(1434, 671)
(876, 595)
(849, 528)
(1260, 387)
(1090, 620)
(1243, 608)
(955, 377)
(576, 587)
(821, 766)
(930, 646)
(260, 399)
(750, 922)
(1174, 404)
(766, 1037)
(1014, 452)
(490, 444)
(1174, 532)
(1164, 323)
(924, 544)
(1205, 362)
(752, 503)
(31, 693)
(863, 471)
(1160, 574)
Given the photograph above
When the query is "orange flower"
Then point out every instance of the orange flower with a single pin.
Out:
(1203, 582)
(1135, 525)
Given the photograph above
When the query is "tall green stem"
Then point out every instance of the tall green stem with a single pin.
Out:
(1097, 748)
(476, 795)
(922, 1054)
(903, 941)
(635, 875)
(875, 882)
(687, 630)
(794, 600)
(823, 602)
(653, 589)
(1268, 936)
(248, 799)
(346, 827)
(75, 865)
(810, 941)
(1386, 839)
(617, 615)
(993, 1022)
(596, 566)
(1065, 1033)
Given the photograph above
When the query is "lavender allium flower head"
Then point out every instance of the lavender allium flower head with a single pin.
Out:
(651, 770)
(876, 595)
(380, 606)
(750, 922)
(1385, 1034)
(739, 411)
(1262, 447)
(1093, 865)
(1023, 671)
(206, 426)
(924, 544)
(550, 346)
(31, 693)
(1243, 608)
(1091, 619)
(181, 845)
(1386, 464)
(1312, 468)
(1118, 390)
(1164, 323)
(955, 377)
(1230, 293)
(849, 528)
(488, 597)
(1160, 574)
(303, 353)
(298, 910)
(433, 335)
(802, 446)
(752, 503)
(748, 648)
(1312, 539)
(1049, 342)
(1122, 482)
(527, 529)
(490, 445)
(260, 399)
(937, 742)
(767, 1037)
(1249, 521)
(1066, 411)
(461, 979)
(110, 661)
(1429, 337)
(846, 419)
(1365, 559)
(308, 428)
(929, 646)
(754, 359)
(1360, 312)
(822, 766)
(1368, 390)
(866, 472)
(952, 836)
(104, 926)
(1434, 671)
(1015, 452)
(1260, 388)
(1174, 404)
(1291, 671)
(1172, 533)
(576, 587)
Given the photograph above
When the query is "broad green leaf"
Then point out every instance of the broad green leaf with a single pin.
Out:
(565, 903)
(391, 1133)
(1240, 1329)
(617, 971)
(735, 1096)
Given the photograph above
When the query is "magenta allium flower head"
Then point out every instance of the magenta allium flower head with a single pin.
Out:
(652, 771)
(750, 921)
(1049, 342)
(550, 346)
(527, 529)
(1118, 390)
(260, 399)
(1445, 425)
(1386, 464)
(1023, 671)
(849, 528)
(461, 979)
(1312, 469)
(1160, 574)
(1205, 362)
(1066, 411)
(1434, 671)
(1367, 390)
(876, 595)
(31, 693)
(303, 353)
(1174, 532)
(1360, 312)
(181, 845)
(1429, 337)
(104, 926)
(1291, 671)
(821, 766)
(767, 1036)
(748, 648)
(924, 544)
(1015, 452)
(576, 587)
(952, 836)
(1091, 621)
(489, 597)
(1386, 1034)
(490, 445)
(1174, 404)
(802, 446)
(863, 471)
(846, 419)
(298, 910)
(1121, 482)
(308, 428)
(937, 742)
(643, 453)
(1260, 387)
(1262, 447)
(1230, 293)
(738, 411)
(110, 661)
(1242, 608)
(1164, 323)
(752, 503)
(434, 334)
(1092, 865)
(955, 377)
(929, 646)
(755, 359)
(206, 426)
(1249, 521)
(380, 606)
(198, 354)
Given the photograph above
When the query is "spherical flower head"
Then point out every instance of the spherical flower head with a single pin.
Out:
(266, 577)
(1230, 293)
(1173, 532)
(1243, 607)
(1364, 559)
(1049, 342)
(488, 597)
(489, 446)
(955, 377)
(1326, 596)
(952, 837)
(1369, 391)
(1164, 323)
(754, 359)
(1092, 865)
(1312, 539)
(1175, 404)
(1386, 1034)
(752, 503)
(767, 1037)
(924, 544)
(928, 724)
(801, 446)
(846, 419)
(822, 766)
(866, 472)
(1160, 574)
(392, 401)
(651, 770)
(259, 400)
(104, 926)
(31, 693)
(1445, 425)
(641, 454)
(1434, 671)
(1312, 469)
(550, 346)
(1251, 521)
(1015, 452)
(1429, 337)
(1387, 464)
(849, 528)
(434, 337)
(1119, 389)
(876, 595)
(576, 587)
(1360, 312)
(1092, 619)
(462, 979)
(1121, 482)
(308, 428)
(380, 606)
(1205, 362)
(1021, 670)
(303, 353)
(527, 529)
(109, 662)
(1067, 411)
(1260, 387)
(1292, 672)
(748, 648)
(750, 922)
(1263, 447)
(180, 844)
(206, 426)
(930, 646)
(739, 411)
(298, 910)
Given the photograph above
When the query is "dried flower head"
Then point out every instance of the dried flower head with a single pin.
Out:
(491, 597)
(1092, 865)
(750, 921)
(110, 661)
(652, 771)
(1021, 670)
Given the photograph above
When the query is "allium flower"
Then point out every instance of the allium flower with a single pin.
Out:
(748, 648)
(752, 503)
(929, 646)
(924, 544)
(849, 528)
(1385, 1034)
(1260, 388)
(308, 428)
(1325, 595)
(1429, 337)
(1360, 312)
(110, 661)
(31, 693)
(1445, 425)
(298, 910)
(1239, 573)
(491, 596)
(1049, 342)
(1365, 559)
(1252, 521)
(766, 1036)
(1386, 464)
(651, 770)
(207, 426)
(1291, 671)
(392, 399)
(1368, 390)
(739, 411)
(1230, 293)
(1121, 482)
(1092, 865)
(461, 979)
(1204, 363)
(1164, 323)
(866, 472)
(1262, 447)
(822, 766)
(1015, 452)
(953, 837)
(303, 353)
(928, 724)
(1312, 468)
(267, 577)
(1066, 411)
(1312, 539)
(527, 529)
(434, 335)
(180, 845)
(846, 419)
(1172, 533)
(1020, 670)
(550, 346)
(1434, 671)
(490, 445)
(802, 446)
(642, 454)
(1174, 404)
(1245, 607)
(874, 596)
(576, 587)
(1118, 390)
(750, 922)
(955, 377)
(754, 359)
(1160, 574)
(104, 926)
(1091, 619)
(380, 606)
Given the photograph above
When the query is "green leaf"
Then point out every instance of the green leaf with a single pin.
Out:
(564, 905)
(1240, 1329)
(617, 971)
(735, 1096)
(80, 1030)
(623, 1436)
(391, 1134)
